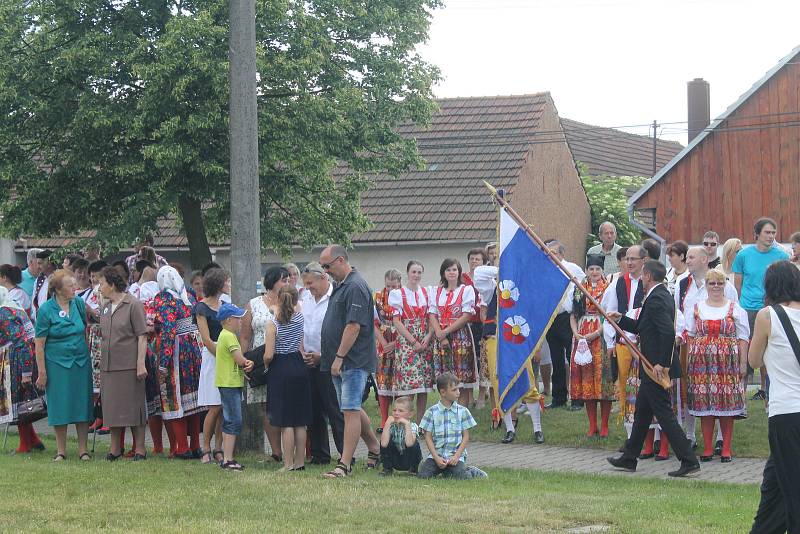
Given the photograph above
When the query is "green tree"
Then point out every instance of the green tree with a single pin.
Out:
(115, 114)
(608, 198)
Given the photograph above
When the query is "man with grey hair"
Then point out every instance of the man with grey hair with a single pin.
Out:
(323, 395)
(559, 337)
(349, 353)
(607, 248)
(31, 272)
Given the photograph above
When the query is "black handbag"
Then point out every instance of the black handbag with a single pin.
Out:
(258, 374)
(32, 410)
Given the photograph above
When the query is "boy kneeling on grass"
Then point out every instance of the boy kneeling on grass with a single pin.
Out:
(399, 446)
(231, 365)
(446, 425)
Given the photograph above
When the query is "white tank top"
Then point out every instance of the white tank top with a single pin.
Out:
(782, 366)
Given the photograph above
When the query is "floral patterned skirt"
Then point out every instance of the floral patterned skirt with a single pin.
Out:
(459, 358)
(713, 385)
(632, 390)
(95, 344)
(412, 372)
(593, 381)
(384, 371)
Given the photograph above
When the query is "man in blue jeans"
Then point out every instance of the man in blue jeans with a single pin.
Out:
(349, 353)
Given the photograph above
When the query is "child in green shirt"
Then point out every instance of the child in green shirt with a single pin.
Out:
(231, 366)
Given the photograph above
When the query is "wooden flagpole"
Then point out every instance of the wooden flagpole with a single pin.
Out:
(648, 367)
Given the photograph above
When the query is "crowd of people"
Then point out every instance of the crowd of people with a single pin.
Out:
(139, 344)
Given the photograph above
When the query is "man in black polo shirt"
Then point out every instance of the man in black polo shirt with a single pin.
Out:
(348, 351)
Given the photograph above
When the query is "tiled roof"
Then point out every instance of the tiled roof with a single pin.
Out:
(606, 151)
(469, 140)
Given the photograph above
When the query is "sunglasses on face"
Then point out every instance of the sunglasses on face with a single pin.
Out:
(709, 244)
(327, 266)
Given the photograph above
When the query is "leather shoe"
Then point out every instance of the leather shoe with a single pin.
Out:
(706, 458)
(554, 405)
(726, 459)
(718, 448)
(694, 445)
(538, 437)
(509, 437)
(622, 463)
(685, 470)
(646, 456)
(660, 458)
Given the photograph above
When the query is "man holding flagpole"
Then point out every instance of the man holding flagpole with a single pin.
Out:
(656, 329)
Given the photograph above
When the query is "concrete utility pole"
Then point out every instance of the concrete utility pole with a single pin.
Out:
(655, 146)
(245, 229)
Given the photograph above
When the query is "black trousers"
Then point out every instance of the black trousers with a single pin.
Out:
(324, 409)
(406, 460)
(653, 400)
(779, 509)
(559, 339)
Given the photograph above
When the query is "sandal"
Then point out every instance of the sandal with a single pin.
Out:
(373, 460)
(232, 465)
(219, 453)
(85, 457)
(340, 471)
(111, 457)
(277, 458)
(59, 457)
(203, 456)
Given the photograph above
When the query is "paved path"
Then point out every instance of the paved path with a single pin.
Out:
(551, 458)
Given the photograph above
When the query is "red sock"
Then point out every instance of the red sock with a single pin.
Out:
(605, 413)
(664, 451)
(176, 430)
(384, 403)
(648, 442)
(25, 444)
(591, 411)
(193, 426)
(726, 425)
(154, 422)
(707, 424)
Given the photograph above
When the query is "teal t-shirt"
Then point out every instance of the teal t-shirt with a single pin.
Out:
(28, 282)
(752, 264)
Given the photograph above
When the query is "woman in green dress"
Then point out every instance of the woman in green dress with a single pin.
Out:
(62, 357)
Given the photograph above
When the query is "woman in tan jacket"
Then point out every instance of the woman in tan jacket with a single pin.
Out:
(122, 363)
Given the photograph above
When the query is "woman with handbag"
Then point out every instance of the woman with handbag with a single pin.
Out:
(177, 348)
(17, 352)
(253, 335)
(775, 344)
(62, 358)
(122, 364)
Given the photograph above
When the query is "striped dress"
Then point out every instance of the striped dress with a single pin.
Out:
(288, 379)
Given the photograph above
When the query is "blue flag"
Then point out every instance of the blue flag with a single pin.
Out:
(529, 289)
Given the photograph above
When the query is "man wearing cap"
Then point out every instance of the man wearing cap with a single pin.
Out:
(349, 352)
(323, 395)
(31, 272)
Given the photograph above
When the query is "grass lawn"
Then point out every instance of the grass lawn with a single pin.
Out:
(161, 495)
(568, 429)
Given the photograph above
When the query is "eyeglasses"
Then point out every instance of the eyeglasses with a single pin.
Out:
(715, 284)
(327, 266)
(633, 259)
(709, 244)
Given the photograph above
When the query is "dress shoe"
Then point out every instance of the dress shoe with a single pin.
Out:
(646, 456)
(660, 458)
(726, 459)
(622, 463)
(509, 437)
(694, 445)
(685, 470)
(38, 446)
(103, 431)
(538, 437)
(718, 448)
(139, 457)
(706, 458)
(183, 456)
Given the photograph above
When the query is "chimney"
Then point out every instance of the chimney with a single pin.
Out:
(699, 100)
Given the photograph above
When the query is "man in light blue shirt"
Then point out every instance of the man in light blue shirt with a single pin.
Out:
(749, 268)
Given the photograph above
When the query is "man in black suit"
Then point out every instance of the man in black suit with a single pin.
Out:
(656, 330)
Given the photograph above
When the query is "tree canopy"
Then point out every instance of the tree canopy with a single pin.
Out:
(115, 114)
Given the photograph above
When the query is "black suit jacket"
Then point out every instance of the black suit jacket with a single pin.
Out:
(656, 329)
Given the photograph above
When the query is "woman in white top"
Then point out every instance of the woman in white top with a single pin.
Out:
(676, 253)
(779, 510)
(10, 278)
(717, 363)
(451, 307)
(253, 334)
(413, 361)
